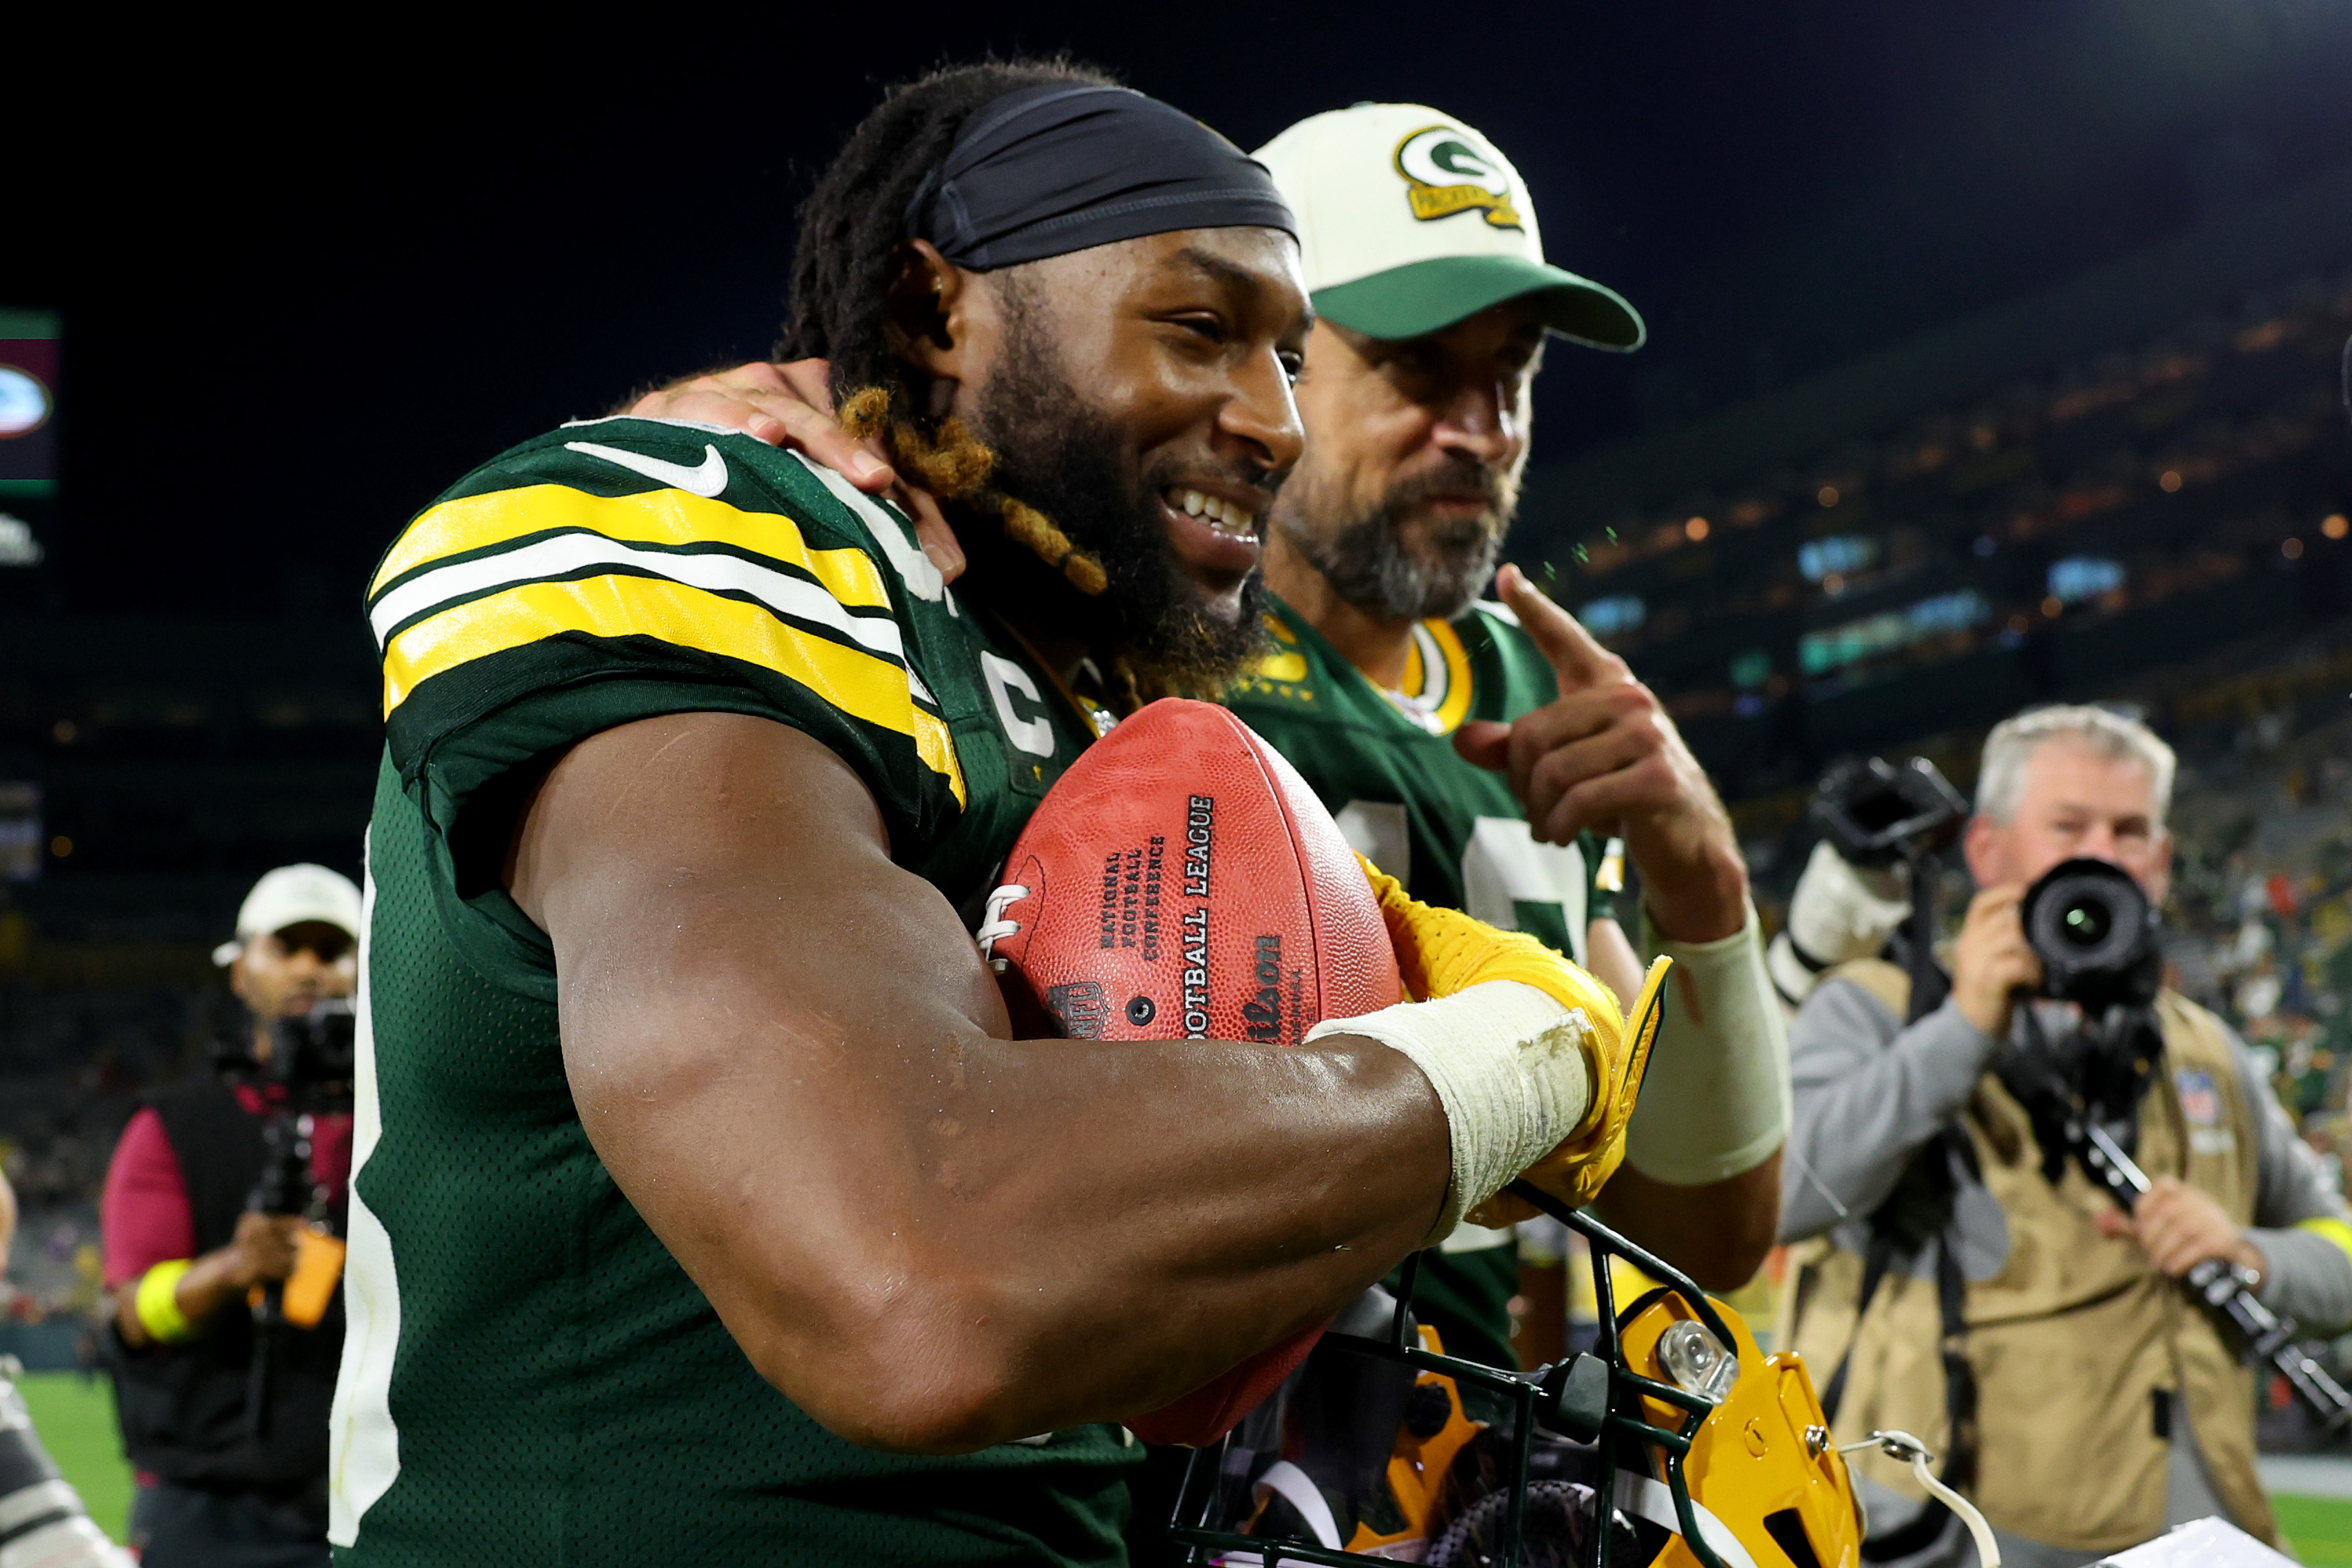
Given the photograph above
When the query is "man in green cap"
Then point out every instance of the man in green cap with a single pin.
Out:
(1485, 754)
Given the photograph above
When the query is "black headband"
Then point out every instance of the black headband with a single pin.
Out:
(1049, 170)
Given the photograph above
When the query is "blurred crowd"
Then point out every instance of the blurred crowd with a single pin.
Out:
(73, 1061)
(2261, 911)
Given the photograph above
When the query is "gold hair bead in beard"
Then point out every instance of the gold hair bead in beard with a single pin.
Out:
(1026, 525)
(864, 414)
(954, 468)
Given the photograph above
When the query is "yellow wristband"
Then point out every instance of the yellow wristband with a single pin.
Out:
(158, 1303)
(2334, 1229)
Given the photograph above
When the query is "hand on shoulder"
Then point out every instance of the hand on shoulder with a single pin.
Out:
(792, 405)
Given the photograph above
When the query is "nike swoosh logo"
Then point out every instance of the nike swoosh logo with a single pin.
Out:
(706, 478)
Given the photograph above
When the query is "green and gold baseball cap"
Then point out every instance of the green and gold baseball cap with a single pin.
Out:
(1410, 221)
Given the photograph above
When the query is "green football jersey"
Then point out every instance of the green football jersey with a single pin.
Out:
(530, 1378)
(1384, 763)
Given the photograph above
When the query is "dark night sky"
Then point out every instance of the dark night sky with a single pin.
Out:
(301, 298)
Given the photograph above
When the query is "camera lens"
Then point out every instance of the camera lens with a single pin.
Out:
(2085, 923)
(2094, 932)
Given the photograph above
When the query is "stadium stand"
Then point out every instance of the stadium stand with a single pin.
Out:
(2053, 539)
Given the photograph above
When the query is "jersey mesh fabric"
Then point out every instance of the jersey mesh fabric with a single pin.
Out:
(562, 1393)
(1450, 831)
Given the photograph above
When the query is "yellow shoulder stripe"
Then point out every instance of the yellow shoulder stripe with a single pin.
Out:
(652, 516)
(935, 747)
(1457, 706)
(858, 683)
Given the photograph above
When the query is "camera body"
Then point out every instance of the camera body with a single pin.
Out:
(315, 1053)
(2096, 934)
(1875, 814)
(312, 1060)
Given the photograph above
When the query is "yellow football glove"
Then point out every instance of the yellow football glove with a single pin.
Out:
(1443, 951)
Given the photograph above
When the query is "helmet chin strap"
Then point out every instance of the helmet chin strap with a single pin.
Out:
(1904, 1446)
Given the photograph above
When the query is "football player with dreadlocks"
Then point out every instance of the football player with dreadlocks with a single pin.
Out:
(703, 1208)
(1468, 747)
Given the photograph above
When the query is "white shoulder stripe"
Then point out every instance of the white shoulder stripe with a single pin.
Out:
(914, 569)
(566, 554)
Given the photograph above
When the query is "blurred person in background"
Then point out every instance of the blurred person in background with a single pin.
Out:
(2107, 1407)
(221, 1481)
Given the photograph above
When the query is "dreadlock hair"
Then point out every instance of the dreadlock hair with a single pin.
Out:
(851, 228)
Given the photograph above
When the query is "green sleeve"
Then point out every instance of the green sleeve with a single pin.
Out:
(622, 571)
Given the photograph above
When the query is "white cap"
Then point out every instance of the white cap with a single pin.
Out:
(1408, 221)
(291, 895)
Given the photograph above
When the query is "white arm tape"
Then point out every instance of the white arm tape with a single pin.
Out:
(1507, 1063)
(1716, 1099)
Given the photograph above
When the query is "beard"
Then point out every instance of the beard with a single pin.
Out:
(1373, 563)
(1060, 455)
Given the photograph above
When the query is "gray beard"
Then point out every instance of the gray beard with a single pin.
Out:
(1369, 566)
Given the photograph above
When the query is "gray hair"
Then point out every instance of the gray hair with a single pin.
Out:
(2001, 777)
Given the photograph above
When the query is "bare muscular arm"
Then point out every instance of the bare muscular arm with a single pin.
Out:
(791, 1057)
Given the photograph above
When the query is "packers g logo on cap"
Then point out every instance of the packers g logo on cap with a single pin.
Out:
(1444, 174)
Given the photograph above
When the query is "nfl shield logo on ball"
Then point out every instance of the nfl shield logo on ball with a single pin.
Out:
(1078, 1008)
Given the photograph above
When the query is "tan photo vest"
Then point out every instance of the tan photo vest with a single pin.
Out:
(2077, 1338)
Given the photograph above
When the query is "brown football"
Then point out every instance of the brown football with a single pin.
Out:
(1181, 881)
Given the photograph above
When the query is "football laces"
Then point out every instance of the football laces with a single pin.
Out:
(996, 926)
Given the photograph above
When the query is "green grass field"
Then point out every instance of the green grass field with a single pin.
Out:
(75, 1416)
(2320, 1527)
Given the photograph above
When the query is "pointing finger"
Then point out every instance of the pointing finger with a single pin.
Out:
(1576, 657)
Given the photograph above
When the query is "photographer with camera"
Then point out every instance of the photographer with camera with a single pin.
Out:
(1963, 1270)
(218, 1218)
